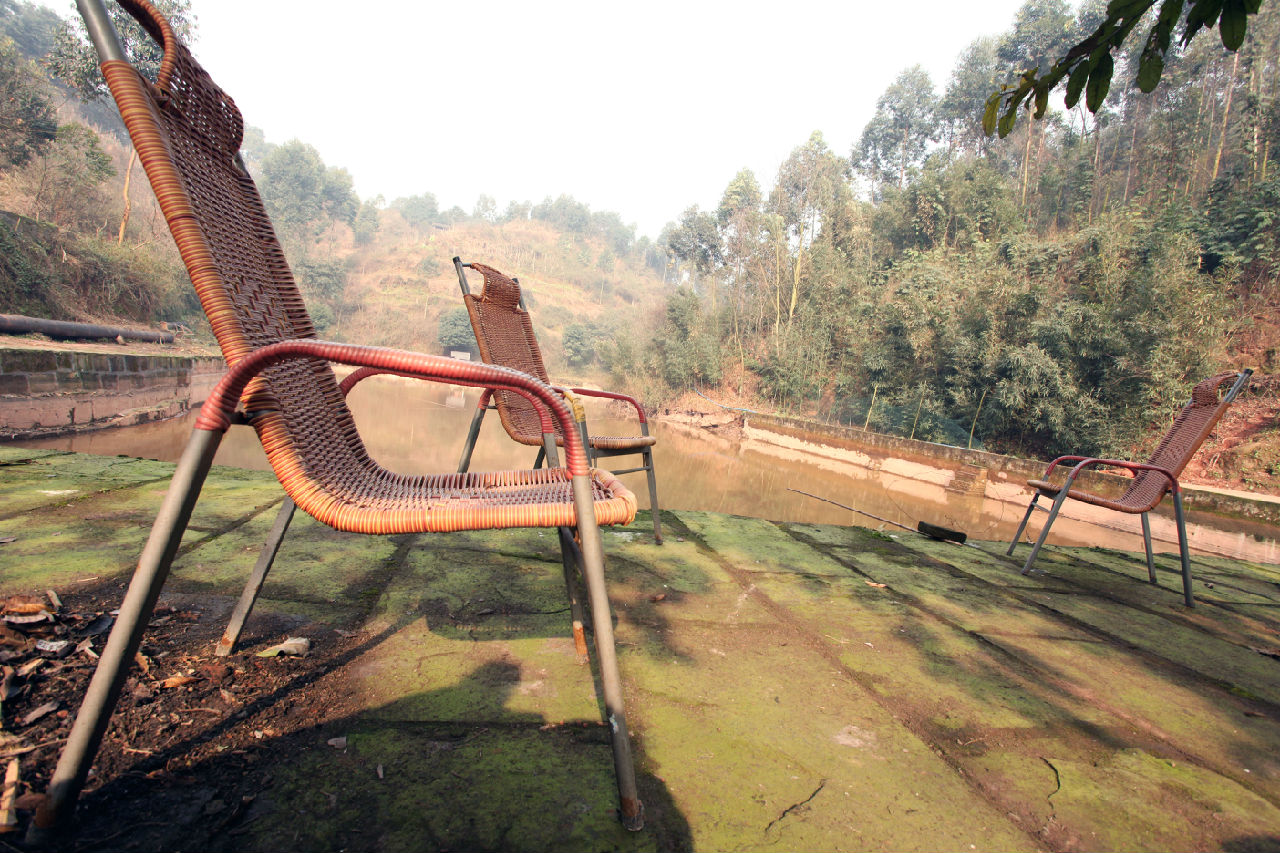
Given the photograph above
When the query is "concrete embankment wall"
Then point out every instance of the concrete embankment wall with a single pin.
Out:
(972, 471)
(53, 392)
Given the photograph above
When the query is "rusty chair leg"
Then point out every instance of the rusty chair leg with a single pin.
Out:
(571, 555)
(135, 612)
(632, 811)
(266, 557)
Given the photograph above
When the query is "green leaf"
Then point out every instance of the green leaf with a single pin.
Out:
(1204, 13)
(1233, 25)
(1007, 120)
(1042, 100)
(991, 113)
(1162, 32)
(1125, 8)
(1150, 68)
(1076, 81)
(1099, 84)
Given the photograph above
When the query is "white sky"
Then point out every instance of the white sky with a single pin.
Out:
(643, 109)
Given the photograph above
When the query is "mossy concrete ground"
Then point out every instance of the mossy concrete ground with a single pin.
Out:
(789, 686)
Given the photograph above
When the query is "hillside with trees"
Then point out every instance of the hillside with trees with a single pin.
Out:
(1055, 288)
(81, 237)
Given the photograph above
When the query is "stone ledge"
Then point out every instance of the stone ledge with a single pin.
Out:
(50, 393)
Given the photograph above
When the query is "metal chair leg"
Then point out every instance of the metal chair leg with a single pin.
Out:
(472, 434)
(122, 645)
(1044, 531)
(235, 625)
(571, 555)
(1180, 516)
(606, 653)
(1146, 540)
(653, 496)
(1035, 499)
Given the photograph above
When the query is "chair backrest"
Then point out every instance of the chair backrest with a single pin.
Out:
(1190, 428)
(187, 133)
(504, 334)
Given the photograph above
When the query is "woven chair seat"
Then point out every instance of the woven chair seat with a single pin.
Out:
(616, 442)
(381, 502)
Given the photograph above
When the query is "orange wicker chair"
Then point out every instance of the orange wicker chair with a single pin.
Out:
(279, 381)
(504, 333)
(1152, 480)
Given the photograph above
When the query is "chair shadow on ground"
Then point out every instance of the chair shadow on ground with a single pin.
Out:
(414, 774)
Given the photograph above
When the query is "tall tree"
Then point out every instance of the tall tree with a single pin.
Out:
(27, 119)
(976, 74)
(696, 242)
(899, 134)
(31, 27)
(418, 210)
(74, 61)
(302, 195)
(811, 197)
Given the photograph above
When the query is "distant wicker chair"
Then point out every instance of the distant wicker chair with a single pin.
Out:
(504, 334)
(187, 133)
(1153, 479)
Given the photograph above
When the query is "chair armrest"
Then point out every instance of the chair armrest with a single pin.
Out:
(1055, 463)
(1134, 468)
(612, 395)
(216, 412)
(359, 375)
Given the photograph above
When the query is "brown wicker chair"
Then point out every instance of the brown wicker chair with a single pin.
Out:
(1152, 480)
(187, 133)
(504, 333)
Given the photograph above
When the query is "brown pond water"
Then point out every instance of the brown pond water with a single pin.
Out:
(415, 427)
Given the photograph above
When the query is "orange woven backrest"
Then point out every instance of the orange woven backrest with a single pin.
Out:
(187, 133)
(504, 333)
(1189, 430)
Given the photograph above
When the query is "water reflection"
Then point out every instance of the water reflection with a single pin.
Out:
(418, 428)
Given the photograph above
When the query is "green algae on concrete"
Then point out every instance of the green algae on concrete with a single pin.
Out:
(1169, 805)
(937, 667)
(808, 762)
(319, 573)
(410, 787)
(788, 686)
(54, 480)
(531, 672)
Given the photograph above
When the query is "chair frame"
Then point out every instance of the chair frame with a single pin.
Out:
(1080, 464)
(594, 452)
(580, 540)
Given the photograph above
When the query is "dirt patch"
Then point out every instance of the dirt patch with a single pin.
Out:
(194, 738)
